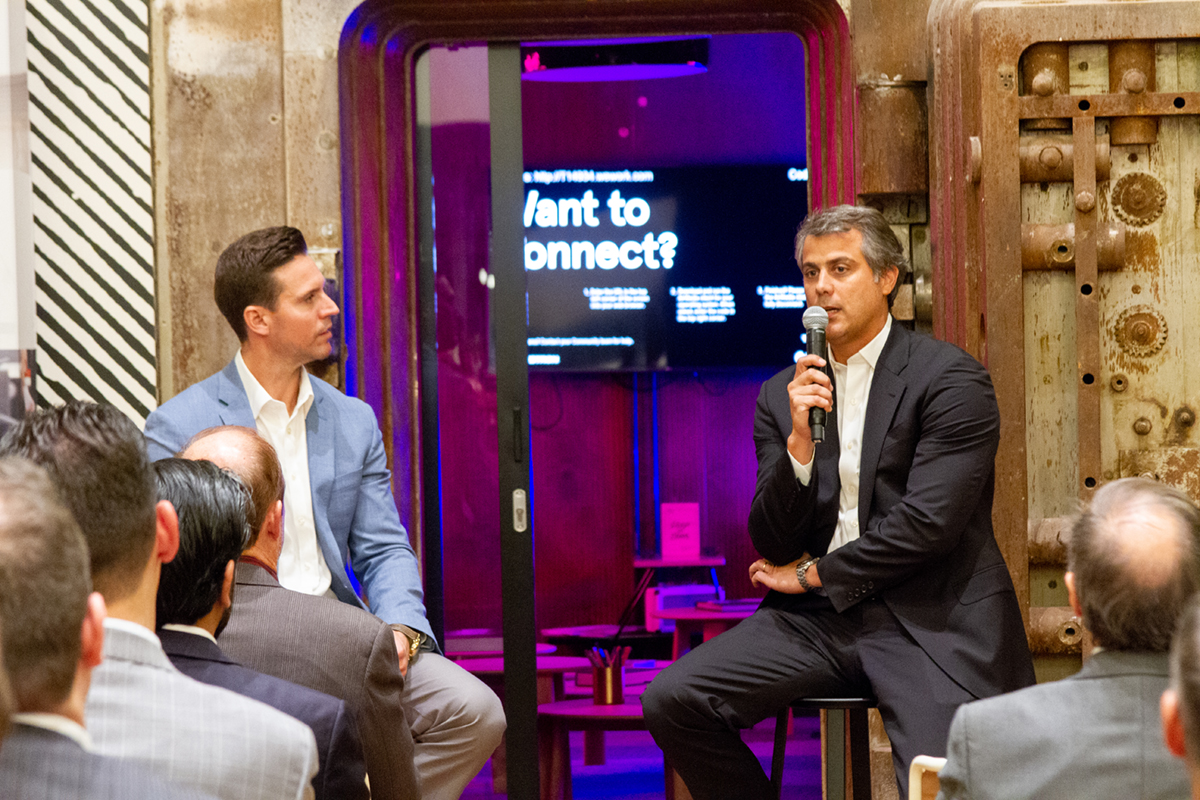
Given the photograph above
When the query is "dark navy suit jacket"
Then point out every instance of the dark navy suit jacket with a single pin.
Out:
(926, 476)
(343, 773)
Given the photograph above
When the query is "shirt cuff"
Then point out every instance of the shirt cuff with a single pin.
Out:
(803, 472)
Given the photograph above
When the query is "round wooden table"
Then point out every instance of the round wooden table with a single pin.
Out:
(690, 620)
(556, 720)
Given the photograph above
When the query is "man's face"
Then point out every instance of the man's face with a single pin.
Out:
(838, 279)
(300, 329)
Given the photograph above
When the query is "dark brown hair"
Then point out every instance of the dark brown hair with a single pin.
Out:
(245, 272)
(96, 457)
(44, 587)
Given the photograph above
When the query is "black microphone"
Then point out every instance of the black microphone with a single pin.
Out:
(815, 321)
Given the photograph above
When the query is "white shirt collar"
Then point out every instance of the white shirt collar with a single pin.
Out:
(259, 397)
(58, 724)
(195, 630)
(872, 349)
(132, 627)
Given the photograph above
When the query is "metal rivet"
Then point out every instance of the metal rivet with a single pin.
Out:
(1043, 83)
(1050, 156)
(1186, 417)
(1134, 81)
(1119, 383)
(1142, 426)
(1085, 201)
(327, 140)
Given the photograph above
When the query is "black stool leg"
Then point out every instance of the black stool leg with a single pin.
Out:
(781, 726)
(860, 753)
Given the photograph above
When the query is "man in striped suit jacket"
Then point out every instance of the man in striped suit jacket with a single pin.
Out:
(53, 633)
(140, 707)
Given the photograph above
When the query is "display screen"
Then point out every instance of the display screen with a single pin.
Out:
(682, 267)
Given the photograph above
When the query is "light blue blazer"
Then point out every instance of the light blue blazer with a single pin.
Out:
(353, 507)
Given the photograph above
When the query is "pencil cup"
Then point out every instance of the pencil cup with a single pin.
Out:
(608, 685)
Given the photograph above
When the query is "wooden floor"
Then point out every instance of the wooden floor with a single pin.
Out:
(634, 765)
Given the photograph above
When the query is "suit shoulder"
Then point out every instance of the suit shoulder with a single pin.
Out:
(347, 406)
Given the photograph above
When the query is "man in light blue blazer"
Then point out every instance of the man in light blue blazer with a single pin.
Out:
(338, 507)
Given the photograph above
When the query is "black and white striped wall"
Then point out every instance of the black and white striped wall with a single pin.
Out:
(89, 113)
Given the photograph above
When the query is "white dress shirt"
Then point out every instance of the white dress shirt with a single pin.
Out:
(852, 385)
(302, 565)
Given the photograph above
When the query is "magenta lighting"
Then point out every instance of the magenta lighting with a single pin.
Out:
(614, 59)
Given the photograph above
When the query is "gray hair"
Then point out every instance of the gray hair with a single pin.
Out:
(1132, 578)
(880, 247)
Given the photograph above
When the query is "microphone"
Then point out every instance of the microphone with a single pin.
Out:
(815, 321)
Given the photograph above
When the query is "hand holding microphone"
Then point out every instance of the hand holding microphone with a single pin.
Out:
(816, 319)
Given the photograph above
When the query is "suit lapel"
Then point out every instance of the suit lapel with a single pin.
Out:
(322, 459)
(887, 387)
(829, 481)
(231, 395)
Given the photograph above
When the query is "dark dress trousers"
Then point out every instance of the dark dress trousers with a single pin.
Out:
(918, 611)
(40, 764)
(334, 648)
(342, 773)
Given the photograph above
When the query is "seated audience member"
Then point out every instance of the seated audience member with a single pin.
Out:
(53, 634)
(194, 600)
(1180, 703)
(1133, 565)
(340, 508)
(317, 642)
(140, 707)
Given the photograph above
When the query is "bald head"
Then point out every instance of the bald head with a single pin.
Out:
(249, 456)
(1135, 556)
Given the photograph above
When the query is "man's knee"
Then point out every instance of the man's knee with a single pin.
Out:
(667, 699)
(489, 714)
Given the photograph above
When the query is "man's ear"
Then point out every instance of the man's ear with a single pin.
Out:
(888, 280)
(273, 525)
(226, 599)
(91, 633)
(257, 319)
(166, 535)
(1072, 594)
(1172, 723)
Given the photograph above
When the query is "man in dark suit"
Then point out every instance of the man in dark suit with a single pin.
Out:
(53, 633)
(1133, 564)
(876, 543)
(194, 601)
(348, 652)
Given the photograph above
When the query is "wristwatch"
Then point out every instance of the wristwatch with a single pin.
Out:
(415, 640)
(802, 574)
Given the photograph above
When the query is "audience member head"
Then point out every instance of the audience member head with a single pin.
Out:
(52, 633)
(1133, 563)
(245, 272)
(214, 510)
(1180, 703)
(96, 457)
(252, 458)
(880, 247)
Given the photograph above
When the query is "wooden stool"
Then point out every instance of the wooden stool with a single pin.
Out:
(845, 717)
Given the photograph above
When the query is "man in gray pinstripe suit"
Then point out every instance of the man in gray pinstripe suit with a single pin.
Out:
(348, 652)
(140, 707)
(53, 636)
